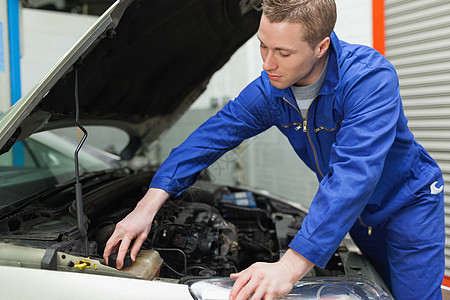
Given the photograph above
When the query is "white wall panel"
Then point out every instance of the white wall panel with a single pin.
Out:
(47, 37)
(354, 23)
(418, 44)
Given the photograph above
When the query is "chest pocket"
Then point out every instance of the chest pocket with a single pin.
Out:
(327, 118)
(327, 127)
(325, 131)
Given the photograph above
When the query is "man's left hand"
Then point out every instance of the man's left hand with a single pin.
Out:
(269, 280)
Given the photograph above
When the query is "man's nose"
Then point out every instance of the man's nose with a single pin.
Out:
(269, 62)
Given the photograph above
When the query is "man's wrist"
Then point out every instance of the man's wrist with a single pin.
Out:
(297, 265)
(152, 201)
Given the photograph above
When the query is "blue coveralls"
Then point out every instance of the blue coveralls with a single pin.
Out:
(373, 175)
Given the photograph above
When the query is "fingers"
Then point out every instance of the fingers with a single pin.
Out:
(260, 288)
(137, 246)
(248, 289)
(264, 291)
(112, 245)
(136, 225)
(124, 244)
(246, 285)
(261, 281)
(242, 279)
(106, 254)
(119, 242)
(259, 294)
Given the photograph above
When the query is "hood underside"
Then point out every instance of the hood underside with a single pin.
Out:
(143, 70)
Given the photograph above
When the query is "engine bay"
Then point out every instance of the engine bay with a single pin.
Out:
(207, 231)
(211, 230)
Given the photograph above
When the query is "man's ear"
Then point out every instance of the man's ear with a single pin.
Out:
(322, 47)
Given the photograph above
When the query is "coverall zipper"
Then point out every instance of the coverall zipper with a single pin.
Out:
(299, 125)
(305, 129)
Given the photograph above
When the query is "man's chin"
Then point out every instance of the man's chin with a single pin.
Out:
(278, 85)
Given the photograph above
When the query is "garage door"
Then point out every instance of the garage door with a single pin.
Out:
(418, 44)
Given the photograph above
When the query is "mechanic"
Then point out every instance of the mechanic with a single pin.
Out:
(339, 106)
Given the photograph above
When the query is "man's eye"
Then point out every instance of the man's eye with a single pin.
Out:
(284, 54)
(262, 46)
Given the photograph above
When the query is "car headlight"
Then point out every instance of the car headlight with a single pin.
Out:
(348, 288)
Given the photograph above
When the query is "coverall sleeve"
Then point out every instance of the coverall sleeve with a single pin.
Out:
(238, 120)
(371, 107)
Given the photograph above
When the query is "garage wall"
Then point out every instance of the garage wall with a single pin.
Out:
(418, 44)
(47, 36)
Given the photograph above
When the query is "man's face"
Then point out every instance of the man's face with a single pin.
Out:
(288, 58)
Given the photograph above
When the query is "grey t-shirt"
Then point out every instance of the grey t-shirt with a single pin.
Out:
(306, 94)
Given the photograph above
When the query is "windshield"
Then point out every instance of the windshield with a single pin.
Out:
(44, 160)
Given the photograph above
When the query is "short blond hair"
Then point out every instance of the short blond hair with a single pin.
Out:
(317, 16)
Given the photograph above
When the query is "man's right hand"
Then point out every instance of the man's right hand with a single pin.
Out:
(136, 225)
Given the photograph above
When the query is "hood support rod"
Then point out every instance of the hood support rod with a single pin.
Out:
(82, 224)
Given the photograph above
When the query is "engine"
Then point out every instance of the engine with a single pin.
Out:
(198, 239)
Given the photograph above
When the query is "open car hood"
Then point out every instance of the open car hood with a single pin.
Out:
(140, 66)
